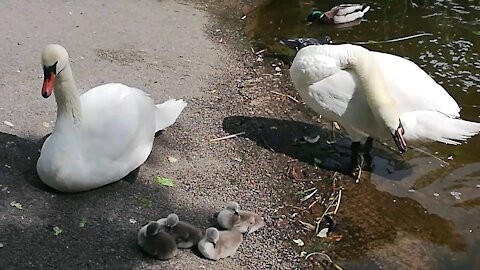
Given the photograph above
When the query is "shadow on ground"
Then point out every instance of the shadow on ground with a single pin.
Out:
(286, 136)
(98, 228)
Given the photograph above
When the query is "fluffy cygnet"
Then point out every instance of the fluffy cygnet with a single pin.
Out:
(232, 218)
(156, 242)
(185, 234)
(216, 244)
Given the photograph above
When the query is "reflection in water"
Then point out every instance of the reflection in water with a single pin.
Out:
(377, 220)
(451, 56)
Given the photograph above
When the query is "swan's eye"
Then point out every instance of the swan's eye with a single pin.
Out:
(47, 71)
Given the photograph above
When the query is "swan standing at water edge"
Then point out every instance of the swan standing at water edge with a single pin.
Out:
(100, 136)
(372, 94)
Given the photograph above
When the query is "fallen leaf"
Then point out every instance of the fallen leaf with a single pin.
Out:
(335, 124)
(164, 181)
(323, 233)
(299, 242)
(145, 201)
(16, 205)
(57, 230)
(83, 222)
(457, 153)
(172, 159)
(8, 123)
(311, 139)
(456, 195)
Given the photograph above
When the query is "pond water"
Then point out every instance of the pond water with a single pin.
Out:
(451, 56)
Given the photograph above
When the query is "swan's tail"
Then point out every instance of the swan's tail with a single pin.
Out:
(168, 112)
(432, 125)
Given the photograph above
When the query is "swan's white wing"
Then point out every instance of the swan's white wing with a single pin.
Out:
(412, 88)
(118, 124)
(337, 98)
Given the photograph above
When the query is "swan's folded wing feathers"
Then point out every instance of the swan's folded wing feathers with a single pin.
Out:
(435, 126)
(117, 121)
(412, 88)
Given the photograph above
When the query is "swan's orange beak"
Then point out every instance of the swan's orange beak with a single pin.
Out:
(48, 83)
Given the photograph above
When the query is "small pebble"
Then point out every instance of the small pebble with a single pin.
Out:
(8, 123)
(133, 221)
(478, 186)
(436, 194)
(456, 194)
(1, 244)
(411, 190)
(172, 159)
(278, 69)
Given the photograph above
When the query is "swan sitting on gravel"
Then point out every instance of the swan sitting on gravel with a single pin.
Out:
(100, 136)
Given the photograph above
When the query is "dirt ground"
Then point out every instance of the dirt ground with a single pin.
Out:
(168, 49)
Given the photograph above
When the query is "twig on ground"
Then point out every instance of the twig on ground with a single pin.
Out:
(309, 195)
(306, 224)
(284, 95)
(430, 155)
(227, 137)
(314, 202)
(391, 40)
(261, 51)
(417, 149)
(338, 202)
(319, 253)
(330, 205)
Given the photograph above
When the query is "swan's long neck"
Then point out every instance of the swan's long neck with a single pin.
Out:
(68, 100)
(384, 107)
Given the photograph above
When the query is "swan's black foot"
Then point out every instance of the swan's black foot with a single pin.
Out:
(358, 161)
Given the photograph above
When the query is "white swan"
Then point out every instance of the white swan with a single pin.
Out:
(100, 136)
(372, 94)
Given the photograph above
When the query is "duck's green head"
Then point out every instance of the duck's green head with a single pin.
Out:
(315, 15)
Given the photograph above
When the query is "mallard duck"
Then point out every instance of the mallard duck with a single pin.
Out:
(375, 95)
(339, 14)
(100, 136)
